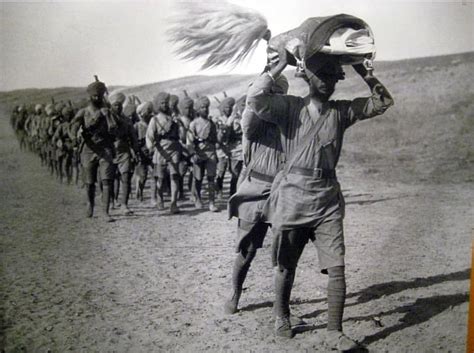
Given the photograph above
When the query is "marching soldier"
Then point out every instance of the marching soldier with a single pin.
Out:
(202, 138)
(306, 202)
(98, 128)
(184, 120)
(144, 112)
(223, 141)
(126, 149)
(263, 155)
(163, 137)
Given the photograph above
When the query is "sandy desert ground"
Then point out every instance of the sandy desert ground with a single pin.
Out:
(155, 282)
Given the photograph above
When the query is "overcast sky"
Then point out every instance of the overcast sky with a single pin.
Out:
(51, 44)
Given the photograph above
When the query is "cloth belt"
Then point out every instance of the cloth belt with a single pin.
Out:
(261, 176)
(317, 173)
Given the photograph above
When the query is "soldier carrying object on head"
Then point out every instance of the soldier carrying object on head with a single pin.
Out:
(306, 202)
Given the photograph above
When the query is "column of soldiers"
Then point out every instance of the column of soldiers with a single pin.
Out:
(111, 138)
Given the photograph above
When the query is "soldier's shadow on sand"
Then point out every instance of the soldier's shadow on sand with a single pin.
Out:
(422, 310)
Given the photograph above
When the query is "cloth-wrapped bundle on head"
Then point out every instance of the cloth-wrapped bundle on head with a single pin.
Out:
(185, 103)
(344, 39)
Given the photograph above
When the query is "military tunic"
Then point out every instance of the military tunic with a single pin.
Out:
(296, 200)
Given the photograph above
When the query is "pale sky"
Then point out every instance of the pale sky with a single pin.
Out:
(62, 43)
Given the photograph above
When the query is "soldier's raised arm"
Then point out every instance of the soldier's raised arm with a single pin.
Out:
(367, 107)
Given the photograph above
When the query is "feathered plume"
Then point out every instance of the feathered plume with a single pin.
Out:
(219, 32)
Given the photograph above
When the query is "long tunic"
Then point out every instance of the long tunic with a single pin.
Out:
(262, 154)
(298, 200)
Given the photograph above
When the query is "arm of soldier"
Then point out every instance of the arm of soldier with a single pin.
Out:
(150, 135)
(264, 104)
(190, 139)
(75, 125)
(251, 125)
(133, 136)
(368, 107)
(57, 134)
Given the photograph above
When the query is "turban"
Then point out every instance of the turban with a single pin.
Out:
(38, 107)
(174, 100)
(202, 102)
(145, 108)
(49, 109)
(280, 85)
(96, 88)
(59, 107)
(129, 110)
(227, 102)
(160, 98)
(67, 110)
(118, 97)
(186, 103)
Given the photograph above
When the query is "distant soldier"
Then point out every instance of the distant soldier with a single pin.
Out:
(144, 113)
(223, 141)
(126, 149)
(63, 144)
(202, 139)
(184, 120)
(98, 128)
(19, 126)
(235, 145)
(162, 137)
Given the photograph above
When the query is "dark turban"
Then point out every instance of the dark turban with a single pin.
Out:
(202, 102)
(96, 88)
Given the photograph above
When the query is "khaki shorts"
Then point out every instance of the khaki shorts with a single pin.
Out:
(91, 162)
(207, 166)
(250, 235)
(327, 237)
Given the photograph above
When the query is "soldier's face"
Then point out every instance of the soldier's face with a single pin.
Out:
(227, 111)
(96, 100)
(164, 106)
(117, 108)
(323, 84)
(203, 111)
(188, 112)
